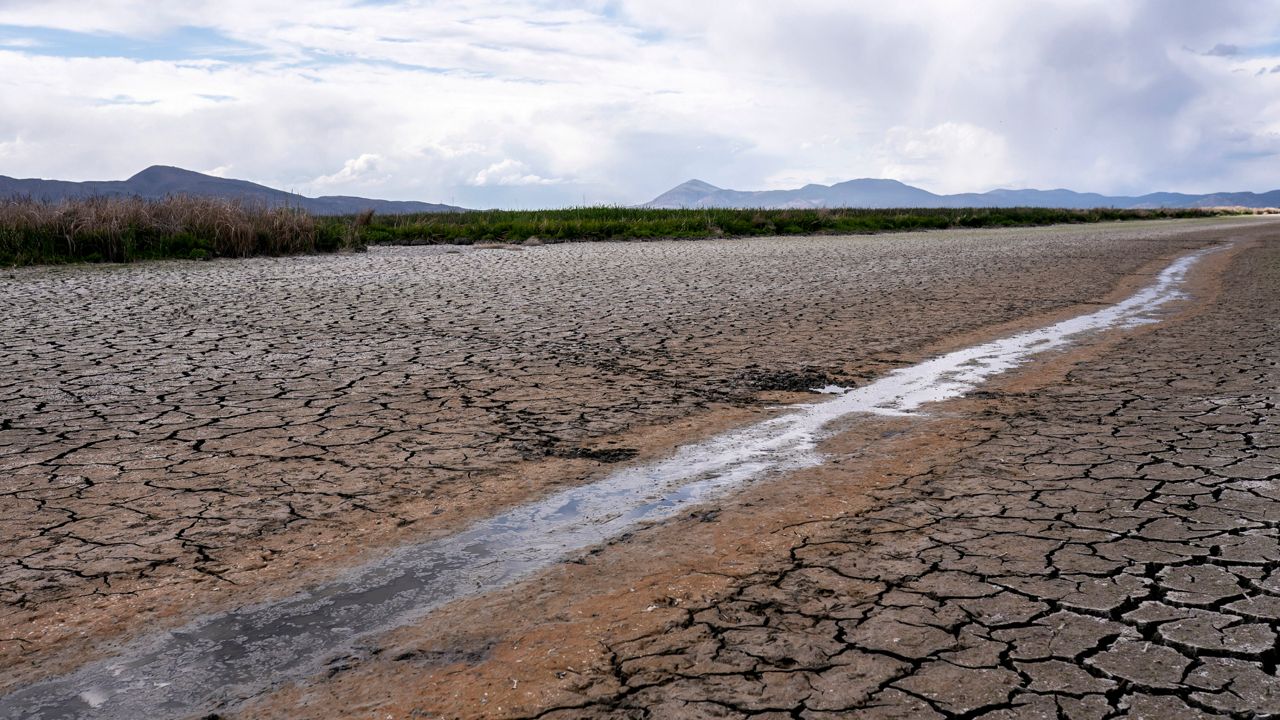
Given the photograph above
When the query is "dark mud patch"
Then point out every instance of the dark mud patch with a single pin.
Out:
(805, 379)
(604, 455)
(445, 656)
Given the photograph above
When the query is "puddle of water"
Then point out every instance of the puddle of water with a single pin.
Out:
(215, 662)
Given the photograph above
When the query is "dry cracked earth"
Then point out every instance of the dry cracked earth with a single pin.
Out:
(179, 438)
(1104, 547)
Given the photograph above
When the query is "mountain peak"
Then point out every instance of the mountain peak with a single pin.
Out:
(696, 184)
(687, 194)
(873, 182)
(165, 173)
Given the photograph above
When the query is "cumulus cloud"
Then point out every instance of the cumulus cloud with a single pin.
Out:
(503, 102)
(363, 170)
(509, 172)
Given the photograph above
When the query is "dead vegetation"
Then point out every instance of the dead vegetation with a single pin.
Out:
(119, 229)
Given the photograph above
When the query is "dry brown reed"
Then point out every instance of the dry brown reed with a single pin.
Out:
(119, 229)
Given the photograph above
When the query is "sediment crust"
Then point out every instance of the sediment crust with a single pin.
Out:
(180, 437)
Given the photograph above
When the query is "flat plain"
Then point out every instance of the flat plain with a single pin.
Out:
(184, 437)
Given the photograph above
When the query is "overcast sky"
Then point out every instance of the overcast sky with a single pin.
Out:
(542, 103)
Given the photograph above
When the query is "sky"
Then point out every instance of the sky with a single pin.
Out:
(545, 103)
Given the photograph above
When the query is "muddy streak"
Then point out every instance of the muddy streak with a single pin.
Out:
(216, 662)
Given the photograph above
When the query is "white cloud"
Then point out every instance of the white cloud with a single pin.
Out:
(509, 172)
(365, 169)
(950, 157)
(11, 148)
(541, 102)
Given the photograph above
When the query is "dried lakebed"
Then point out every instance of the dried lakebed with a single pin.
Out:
(179, 439)
(217, 661)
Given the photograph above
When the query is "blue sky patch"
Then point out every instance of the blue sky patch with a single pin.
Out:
(183, 43)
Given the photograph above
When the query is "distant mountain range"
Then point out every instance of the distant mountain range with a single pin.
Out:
(873, 193)
(159, 181)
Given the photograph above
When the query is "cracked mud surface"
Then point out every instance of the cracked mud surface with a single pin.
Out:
(1099, 538)
(171, 429)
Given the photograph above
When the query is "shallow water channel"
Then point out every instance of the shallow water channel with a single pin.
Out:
(215, 662)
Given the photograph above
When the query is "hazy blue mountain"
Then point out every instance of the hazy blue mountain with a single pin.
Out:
(685, 194)
(159, 181)
(871, 192)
